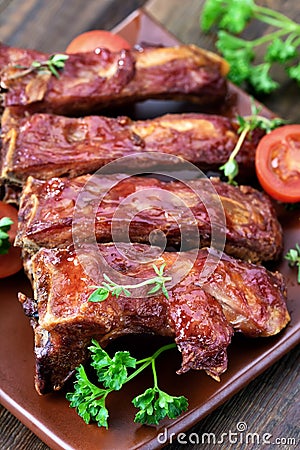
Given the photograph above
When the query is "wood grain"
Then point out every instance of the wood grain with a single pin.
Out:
(262, 405)
(49, 26)
(269, 404)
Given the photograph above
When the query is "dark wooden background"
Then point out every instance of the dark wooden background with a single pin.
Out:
(270, 403)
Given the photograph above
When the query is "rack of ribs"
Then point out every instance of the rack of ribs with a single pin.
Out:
(90, 81)
(48, 145)
(201, 313)
(134, 208)
(217, 295)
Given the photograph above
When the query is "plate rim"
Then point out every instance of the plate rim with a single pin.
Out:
(285, 343)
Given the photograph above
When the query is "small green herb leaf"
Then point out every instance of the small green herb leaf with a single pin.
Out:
(237, 16)
(261, 80)
(111, 371)
(52, 65)
(293, 256)
(36, 64)
(164, 291)
(99, 295)
(211, 14)
(247, 124)
(294, 72)
(5, 224)
(155, 289)
(58, 59)
(110, 287)
(231, 169)
(155, 405)
(280, 51)
(89, 399)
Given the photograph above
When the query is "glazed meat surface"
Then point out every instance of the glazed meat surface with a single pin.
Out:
(199, 313)
(90, 81)
(47, 145)
(121, 208)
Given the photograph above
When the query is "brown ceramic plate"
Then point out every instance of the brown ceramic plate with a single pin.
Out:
(51, 418)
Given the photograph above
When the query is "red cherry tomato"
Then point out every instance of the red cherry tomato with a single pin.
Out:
(11, 262)
(90, 40)
(277, 163)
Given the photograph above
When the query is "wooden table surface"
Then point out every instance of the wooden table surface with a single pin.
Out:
(269, 404)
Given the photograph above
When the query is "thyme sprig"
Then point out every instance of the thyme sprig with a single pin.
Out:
(52, 65)
(247, 124)
(110, 287)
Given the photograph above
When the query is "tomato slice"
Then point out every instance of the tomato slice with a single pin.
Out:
(91, 40)
(277, 163)
(11, 262)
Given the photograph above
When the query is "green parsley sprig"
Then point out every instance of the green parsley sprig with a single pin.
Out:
(293, 256)
(89, 399)
(5, 224)
(281, 45)
(110, 287)
(247, 124)
(52, 65)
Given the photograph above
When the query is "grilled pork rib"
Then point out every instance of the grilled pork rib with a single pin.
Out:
(47, 213)
(47, 145)
(199, 315)
(90, 81)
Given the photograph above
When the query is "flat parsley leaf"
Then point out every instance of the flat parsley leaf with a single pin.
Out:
(88, 399)
(111, 371)
(155, 405)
